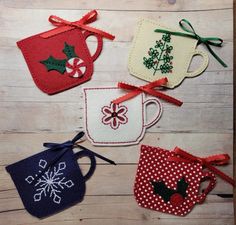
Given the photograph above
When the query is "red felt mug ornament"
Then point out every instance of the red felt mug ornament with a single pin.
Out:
(169, 181)
(60, 59)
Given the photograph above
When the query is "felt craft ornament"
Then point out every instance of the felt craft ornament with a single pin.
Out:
(60, 59)
(158, 51)
(115, 117)
(169, 181)
(51, 180)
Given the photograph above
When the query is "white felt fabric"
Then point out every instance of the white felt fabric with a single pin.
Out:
(99, 126)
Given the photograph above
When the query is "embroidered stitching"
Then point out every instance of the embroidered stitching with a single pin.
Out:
(175, 79)
(111, 142)
(159, 56)
(51, 183)
(114, 115)
(31, 69)
(72, 65)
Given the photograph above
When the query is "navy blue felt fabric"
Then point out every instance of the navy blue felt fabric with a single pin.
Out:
(51, 180)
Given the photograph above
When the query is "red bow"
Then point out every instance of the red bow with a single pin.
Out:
(148, 89)
(64, 25)
(208, 162)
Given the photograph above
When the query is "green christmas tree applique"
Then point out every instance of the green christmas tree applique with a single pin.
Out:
(159, 56)
(60, 64)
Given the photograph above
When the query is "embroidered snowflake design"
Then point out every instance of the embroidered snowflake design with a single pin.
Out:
(114, 115)
(51, 183)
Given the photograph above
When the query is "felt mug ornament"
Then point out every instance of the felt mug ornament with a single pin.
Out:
(158, 51)
(51, 180)
(60, 59)
(122, 121)
(169, 181)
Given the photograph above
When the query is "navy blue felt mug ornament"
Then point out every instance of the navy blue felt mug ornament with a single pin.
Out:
(51, 180)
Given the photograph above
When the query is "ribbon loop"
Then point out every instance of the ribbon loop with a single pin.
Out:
(208, 162)
(64, 25)
(207, 41)
(148, 89)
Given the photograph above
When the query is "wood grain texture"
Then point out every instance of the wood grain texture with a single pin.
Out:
(28, 117)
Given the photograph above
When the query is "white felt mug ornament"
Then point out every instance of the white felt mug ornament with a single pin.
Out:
(107, 123)
(155, 55)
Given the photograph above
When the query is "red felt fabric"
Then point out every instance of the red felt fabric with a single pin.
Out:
(37, 48)
(154, 166)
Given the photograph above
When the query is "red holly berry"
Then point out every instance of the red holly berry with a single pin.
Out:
(176, 199)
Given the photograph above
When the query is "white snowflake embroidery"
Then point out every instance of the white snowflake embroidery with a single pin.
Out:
(51, 183)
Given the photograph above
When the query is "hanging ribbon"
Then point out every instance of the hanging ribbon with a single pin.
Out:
(207, 41)
(148, 89)
(64, 25)
(63, 148)
(208, 162)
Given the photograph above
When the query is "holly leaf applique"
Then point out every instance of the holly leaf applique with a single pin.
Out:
(166, 193)
(161, 189)
(182, 186)
(55, 64)
(69, 51)
(59, 65)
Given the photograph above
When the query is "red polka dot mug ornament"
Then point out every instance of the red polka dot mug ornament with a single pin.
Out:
(169, 181)
(60, 59)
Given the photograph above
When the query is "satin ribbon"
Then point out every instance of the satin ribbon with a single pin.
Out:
(208, 162)
(64, 25)
(148, 89)
(207, 41)
(63, 148)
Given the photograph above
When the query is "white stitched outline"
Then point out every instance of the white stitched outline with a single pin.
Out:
(51, 183)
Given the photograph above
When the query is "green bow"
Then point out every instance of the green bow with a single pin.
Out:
(214, 41)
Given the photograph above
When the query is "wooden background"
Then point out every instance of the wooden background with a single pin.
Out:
(28, 117)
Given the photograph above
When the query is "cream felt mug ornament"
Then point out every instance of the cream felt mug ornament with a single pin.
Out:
(158, 51)
(124, 120)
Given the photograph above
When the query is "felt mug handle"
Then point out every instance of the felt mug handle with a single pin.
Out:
(99, 43)
(206, 176)
(92, 168)
(157, 116)
(202, 67)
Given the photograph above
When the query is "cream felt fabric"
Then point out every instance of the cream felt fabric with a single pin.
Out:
(183, 49)
(122, 124)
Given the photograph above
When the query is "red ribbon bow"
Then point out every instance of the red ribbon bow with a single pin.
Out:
(64, 25)
(208, 162)
(148, 89)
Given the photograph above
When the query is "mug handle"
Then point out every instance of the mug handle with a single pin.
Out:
(203, 65)
(99, 43)
(92, 168)
(206, 176)
(158, 114)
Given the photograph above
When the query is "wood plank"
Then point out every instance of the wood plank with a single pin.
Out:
(153, 5)
(18, 146)
(214, 87)
(64, 117)
(121, 23)
(122, 210)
